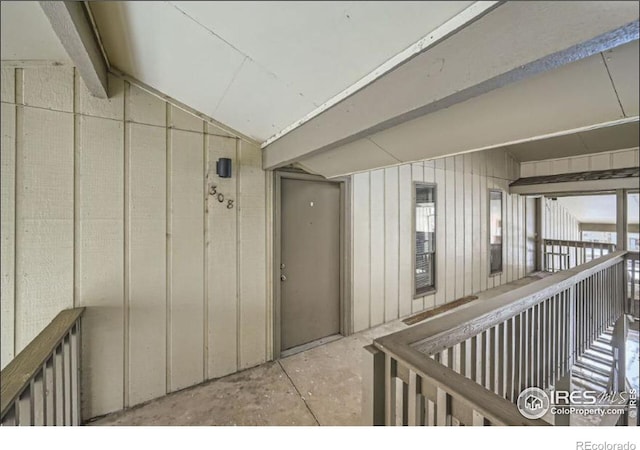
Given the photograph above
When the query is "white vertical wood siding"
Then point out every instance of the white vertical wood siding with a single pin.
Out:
(105, 205)
(383, 244)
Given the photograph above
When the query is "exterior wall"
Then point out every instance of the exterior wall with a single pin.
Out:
(382, 248)
(105, 205)
(559, 223)
(618, 159)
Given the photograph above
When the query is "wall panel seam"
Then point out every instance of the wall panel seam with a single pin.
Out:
(76, 194)
(398, 251)
(384, 247)
(238, 214)
(205, 300)
(16, 158)
(168, 246)
(126, 238)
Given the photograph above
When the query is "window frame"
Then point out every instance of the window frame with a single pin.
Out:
(434, 288)
(502, 219)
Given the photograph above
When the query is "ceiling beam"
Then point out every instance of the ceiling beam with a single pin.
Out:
(72, 26)
(575, 186)
(607, 227)
(510, 43)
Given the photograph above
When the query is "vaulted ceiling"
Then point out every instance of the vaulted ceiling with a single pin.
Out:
(27, 34)
(260, 66)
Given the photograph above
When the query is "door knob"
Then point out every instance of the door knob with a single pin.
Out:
(283, 278)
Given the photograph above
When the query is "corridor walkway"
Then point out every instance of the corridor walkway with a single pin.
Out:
(320, 386)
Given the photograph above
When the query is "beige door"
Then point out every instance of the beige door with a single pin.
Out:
(310, 261)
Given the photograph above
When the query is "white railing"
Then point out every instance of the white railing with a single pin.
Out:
(41, 385)
(468, 367)
(563, 254)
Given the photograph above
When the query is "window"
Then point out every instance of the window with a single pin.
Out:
(495, 231)
(425, 246)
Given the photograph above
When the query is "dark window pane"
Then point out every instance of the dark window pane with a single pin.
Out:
(425, 215)
(495, 231)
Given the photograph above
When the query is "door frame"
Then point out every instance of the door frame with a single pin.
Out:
(345, 255)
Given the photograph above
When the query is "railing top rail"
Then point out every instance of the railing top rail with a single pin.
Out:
(19, 372)
(436, 335)
(579, 243)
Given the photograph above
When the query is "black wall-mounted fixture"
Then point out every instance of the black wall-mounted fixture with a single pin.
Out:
(223, 167)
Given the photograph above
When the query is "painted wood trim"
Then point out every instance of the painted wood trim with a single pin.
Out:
(71, 24)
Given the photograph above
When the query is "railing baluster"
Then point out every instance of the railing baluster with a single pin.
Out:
(50, 398)
(472, 361)
(373, 386)
(430, 413)
(75, 374)
(493, 358)
(10, 419)
(517, 372)
(457, 359)
(545, 343)
(38, 399)
(579, 316)
(478, 419)
(443, 408)
(415, 404)
(68, 395)
(572, 327)
(58, 390)
(501, 350)
(562, 333)
(510, 351)
(526, 349)
(486, 359)
(552, 337)
(31, 398)
(390, 390)
(560, 344)
(534, 346)
(404, 387)
(25, 410)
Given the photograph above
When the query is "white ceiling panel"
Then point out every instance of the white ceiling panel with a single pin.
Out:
(318, 49)
(338, 162)
(163, 48)
(576, 95)
(611, 138)
(599, 208)
(267, 103)
(260, 66)
(514, 41)
(28, 35)
(594, 141)
(623, 66)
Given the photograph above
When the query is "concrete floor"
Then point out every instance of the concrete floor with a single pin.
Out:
(320, 386)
